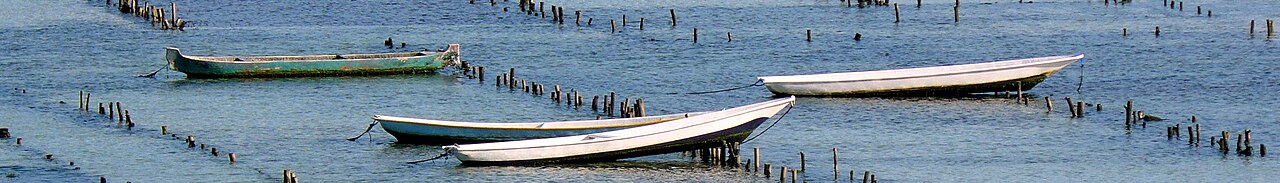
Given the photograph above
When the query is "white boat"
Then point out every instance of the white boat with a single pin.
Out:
(702, 131)
(439, 132)
(941, 80)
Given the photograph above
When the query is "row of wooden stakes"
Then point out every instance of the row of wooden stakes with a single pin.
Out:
(115, 111)
(728, 155)
(558, 16)
(153, 13)
(4, 134)
(1178, 6)
(1244, 140)
(599, 103)
(47, 157)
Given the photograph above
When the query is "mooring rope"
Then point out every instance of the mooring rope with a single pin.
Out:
(1080, 84)
(153, 74)
(757, 83)
(775, 122)
(445, 152)
(366, 131)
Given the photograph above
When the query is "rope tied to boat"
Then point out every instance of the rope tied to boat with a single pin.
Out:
(153, 74)
(775, 122)
(759, 82)
(366, 131)
(444, 152)
(1080, 84)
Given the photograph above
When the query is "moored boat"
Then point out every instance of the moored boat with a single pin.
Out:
(439, 132)
(310, 65)
(998, 76)
(702, 131)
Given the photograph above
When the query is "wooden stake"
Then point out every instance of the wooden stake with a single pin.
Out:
(1048, 104)
(695, 35)
(640, 107)
(1071, 107)
(1019, 90)
(1079, 109)
(673, 17)
(802, 166)
(782, 175)
(768, 169)
(755, 152)
(896, 16)
(956, 11)
(808, 35)
(835, 159)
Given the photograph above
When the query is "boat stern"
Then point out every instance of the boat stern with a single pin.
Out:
(453, 55)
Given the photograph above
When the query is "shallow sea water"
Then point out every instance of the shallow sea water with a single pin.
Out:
(1209, 67)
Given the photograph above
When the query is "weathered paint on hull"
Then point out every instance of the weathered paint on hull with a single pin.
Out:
(438, 135)
(341, 67)
(998, 86)
(709, 140)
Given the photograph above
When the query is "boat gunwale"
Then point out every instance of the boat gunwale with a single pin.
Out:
(761, 106)
(1063, 58)
(457, 124)
(318, 58)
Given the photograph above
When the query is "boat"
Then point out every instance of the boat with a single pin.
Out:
(703, 131)
(310, 65)
(439, 132)
(998, 76)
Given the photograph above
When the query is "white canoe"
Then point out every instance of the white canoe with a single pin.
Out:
(440, 132)
(702, 131)
(941, 80)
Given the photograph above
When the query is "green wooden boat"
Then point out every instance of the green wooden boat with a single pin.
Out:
(311, 65)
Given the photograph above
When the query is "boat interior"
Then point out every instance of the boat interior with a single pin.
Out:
(312, 57)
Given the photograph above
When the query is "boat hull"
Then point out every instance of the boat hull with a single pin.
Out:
(196, 67)
(707, 130)
(711, 140)
(1022, 77)
(437, 132)
(438, 135)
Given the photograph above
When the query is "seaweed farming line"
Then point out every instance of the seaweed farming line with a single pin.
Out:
(152, 13)
(114, 112)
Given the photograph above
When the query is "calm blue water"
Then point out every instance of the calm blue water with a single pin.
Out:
(1204, 66)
